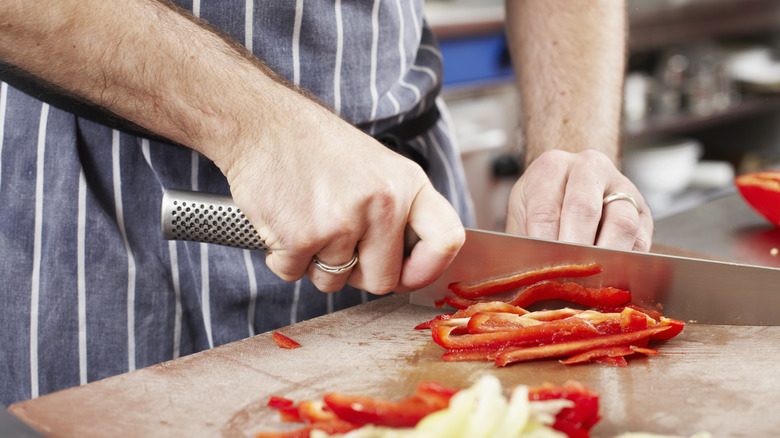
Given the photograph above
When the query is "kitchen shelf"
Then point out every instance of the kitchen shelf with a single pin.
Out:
(661, 23)
(680, 123)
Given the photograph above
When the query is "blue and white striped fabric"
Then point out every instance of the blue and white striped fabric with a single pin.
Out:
(91, 290)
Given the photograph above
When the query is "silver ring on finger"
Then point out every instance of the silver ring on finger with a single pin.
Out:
(619, 196)
(338, 269)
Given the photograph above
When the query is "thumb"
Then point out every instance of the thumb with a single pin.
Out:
(441, 235)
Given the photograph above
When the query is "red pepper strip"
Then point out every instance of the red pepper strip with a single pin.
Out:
(490, 306)
(553, 331)
(491, 322)
(603, 297)
(512, 355)
(631, 320)
(284, 342)
(476, 290)
(676, 327)
(288, 412)
(762, 191)
(363, 410)
(653, 314)
(577, 420)
(644, 350)
(329, 427)
(427, 324)
(279, 402)
(616, 351)
(315, 411)
(551, 315)
(460, 303)
(435, 394)
(460, 325)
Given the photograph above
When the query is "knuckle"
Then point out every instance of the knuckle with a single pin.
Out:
(451, 239)
(380, 286)
(328, 286)
(642, 244)
(544, 214)
(551, 160)
(586, 209)
(625, 223)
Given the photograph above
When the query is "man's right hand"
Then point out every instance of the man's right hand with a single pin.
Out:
(318, 186)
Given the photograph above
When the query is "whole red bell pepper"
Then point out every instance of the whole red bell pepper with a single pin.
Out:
(762, 191)
(495, 285)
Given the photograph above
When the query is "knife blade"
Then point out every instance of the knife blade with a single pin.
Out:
(689, 289)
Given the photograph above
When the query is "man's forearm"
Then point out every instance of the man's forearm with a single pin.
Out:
(570, 59)
(148, 63)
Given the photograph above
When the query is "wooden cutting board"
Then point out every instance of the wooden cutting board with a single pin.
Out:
(722, 379)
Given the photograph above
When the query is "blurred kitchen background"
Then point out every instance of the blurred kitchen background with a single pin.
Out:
(702, 98)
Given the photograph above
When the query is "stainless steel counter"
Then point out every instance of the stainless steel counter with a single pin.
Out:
(725, 228)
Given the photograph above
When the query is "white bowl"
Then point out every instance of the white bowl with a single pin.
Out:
(662, 170)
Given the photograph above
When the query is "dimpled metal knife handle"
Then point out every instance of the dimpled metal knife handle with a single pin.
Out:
(207, 218)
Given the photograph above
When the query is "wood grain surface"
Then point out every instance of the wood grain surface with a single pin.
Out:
(716, 378)
(722, 379)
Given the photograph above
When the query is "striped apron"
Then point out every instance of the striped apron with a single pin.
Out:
(89, 287)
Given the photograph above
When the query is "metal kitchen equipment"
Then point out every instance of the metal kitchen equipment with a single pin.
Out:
(208, 218)
(691, 289)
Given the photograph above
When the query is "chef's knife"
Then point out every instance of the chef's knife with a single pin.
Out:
(689, 289)
(694, 290)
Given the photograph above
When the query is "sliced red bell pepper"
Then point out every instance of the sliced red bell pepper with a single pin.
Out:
(279, 402)
(632, 320)
(491, 322)
(480, 289)
(427, 324)
(288, 411)
(552, 315)
(762, 191)
(315, 411)
(364, 410)
(553, 331)
(460, 303)
(568, 348)
(577, 420)
(490, 306)
(602, 297)
(612, 352)
(435, 394)
(644, 350)
(284, 342)
(676, 325)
